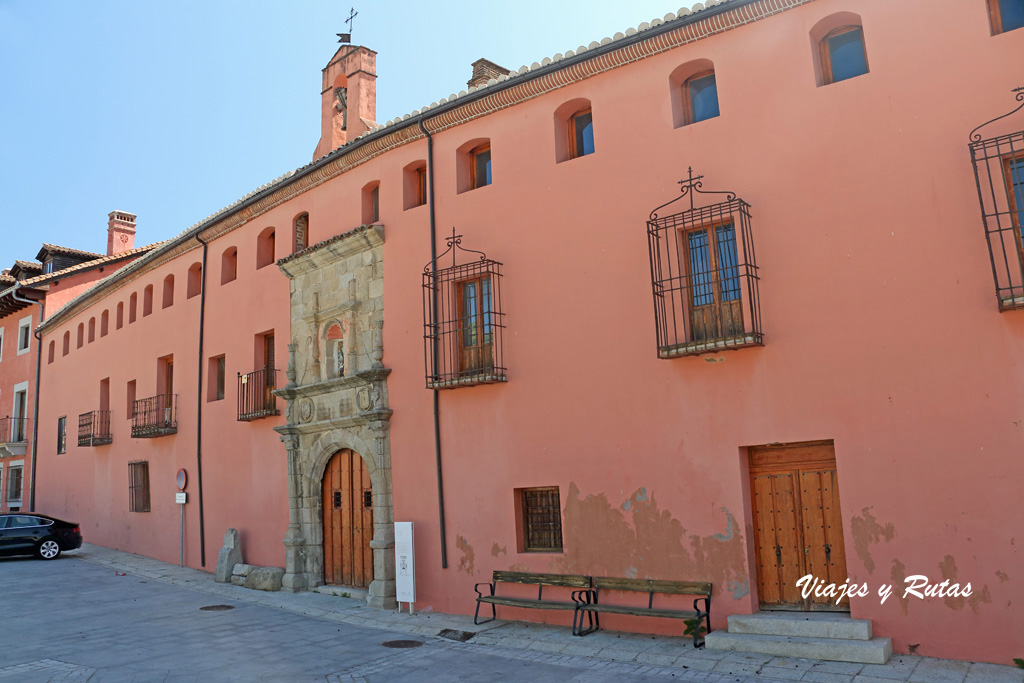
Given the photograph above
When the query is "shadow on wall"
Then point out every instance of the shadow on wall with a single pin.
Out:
(638, 540)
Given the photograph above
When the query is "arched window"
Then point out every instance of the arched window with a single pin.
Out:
(50, 352)
(92, 330)
(229, 265)
(574, 130)
(265, 248)
(371, 202)
(473, 164)
(67, 343)
(838, 48)
(147, 300)
(1006, 15)
(700, 97)
(195, 280)
(119, 318)
(415, 185)
(335, 351)
(104, 323)
(168, 299)
(133, 307)
(301, 232)
(81, 335)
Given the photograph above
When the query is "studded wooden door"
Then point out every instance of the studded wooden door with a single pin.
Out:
(798, 526)
(348, 521)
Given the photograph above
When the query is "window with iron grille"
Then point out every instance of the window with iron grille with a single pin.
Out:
(62, 434)
(540, 519)
(704, 275)
(15, 482)
(999, 175)
(463, 320)
(138, 486)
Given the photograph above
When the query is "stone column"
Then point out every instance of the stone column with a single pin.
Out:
(295, 579)
(382, 588)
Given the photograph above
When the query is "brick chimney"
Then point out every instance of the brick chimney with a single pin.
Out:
(120, 232)
(348, 99)
(484, 70)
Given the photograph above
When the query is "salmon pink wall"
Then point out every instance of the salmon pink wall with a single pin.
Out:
(881, 332)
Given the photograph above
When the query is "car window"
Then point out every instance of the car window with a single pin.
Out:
(4, 522)
(20, 522)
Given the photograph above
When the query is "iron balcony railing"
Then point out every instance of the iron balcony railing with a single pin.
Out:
(94, 428)
(256, 395)
(155, 416)
(14, 429)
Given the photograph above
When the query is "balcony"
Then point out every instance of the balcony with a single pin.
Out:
(13, 435)
(255, 395)
(155, 416)
(94, 428)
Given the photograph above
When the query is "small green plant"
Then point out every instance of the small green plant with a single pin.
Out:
(690, 624)
(1019, 662)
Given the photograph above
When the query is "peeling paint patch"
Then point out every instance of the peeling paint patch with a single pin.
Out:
(468, 560)
(497, 550)
(866, 530)
(949, 572)
(1003, 576)
(642, 540)
(518, 567)
(739, 589)
(898, 574)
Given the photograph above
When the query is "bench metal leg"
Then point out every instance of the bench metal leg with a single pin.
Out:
(476, 615)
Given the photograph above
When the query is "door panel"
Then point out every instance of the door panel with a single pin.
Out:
(348, 522)
(798, 523)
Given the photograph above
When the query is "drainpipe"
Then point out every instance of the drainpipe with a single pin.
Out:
(199, 409)
(433, 306)
(35, 401)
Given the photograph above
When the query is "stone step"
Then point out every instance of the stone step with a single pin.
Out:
(343, 592)
(874, 651)
(802, 625)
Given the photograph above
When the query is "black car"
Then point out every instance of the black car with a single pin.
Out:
(29, 533)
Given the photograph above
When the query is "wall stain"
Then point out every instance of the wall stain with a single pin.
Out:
(518, 567)
(1003, 576)
(949, 573)
(497, 549)
(898, 574)
(468, 559)
(640, 539)
(866, 530)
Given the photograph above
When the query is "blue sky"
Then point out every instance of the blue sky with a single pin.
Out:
(173, 110)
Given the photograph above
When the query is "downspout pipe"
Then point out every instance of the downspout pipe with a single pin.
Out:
(434, 350)
(35, 399)
(199, 409)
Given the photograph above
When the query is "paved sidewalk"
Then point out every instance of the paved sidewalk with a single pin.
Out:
(603, 655)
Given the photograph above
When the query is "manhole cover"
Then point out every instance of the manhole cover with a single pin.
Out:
(453, 634)
(402, 644)
(215, 608)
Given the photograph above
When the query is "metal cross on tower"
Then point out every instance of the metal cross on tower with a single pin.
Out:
(347, 37)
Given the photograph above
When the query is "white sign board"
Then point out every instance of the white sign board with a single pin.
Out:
(405, 563)
(180, 497)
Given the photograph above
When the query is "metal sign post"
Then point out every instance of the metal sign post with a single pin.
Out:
(181, 498)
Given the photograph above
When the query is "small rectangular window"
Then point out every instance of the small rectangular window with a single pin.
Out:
(843, 55)
(375, 204)
(216, 373)
(540, 519)
(481, 167)
(581, 134)
(130, 392)
(15, 484)
(701, 95)
(62, 434)
(24, 334)
(138, 486)
(421, 186)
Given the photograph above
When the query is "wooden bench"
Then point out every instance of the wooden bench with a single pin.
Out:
(589, 602)
(581, 583)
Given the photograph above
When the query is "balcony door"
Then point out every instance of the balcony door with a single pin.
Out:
(715, 306)
(18, 430)
(168, 390)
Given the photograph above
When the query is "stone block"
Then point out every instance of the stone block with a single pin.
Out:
(243, 569)
(238, 580)
(265, 578)
(228, 557)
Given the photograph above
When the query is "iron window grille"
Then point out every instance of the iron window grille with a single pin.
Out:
(138, 486)
(704, 275)
(94, 428)
(155, 416)
(542, 519)
(14, 429)
(999, 176)
(463, 320)
(256, 395)
(15, 484)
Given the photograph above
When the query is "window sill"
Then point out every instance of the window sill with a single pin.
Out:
(468, 381)
(1010, 303)
(710, 345)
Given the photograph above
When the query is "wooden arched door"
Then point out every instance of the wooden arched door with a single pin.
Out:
(348, 521)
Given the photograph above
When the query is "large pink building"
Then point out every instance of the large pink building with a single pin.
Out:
(844, 400)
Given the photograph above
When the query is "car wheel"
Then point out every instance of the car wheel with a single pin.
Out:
(48, 550)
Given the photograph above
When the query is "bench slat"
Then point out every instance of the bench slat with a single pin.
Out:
(640, 611)
(655, 585)
(568, 580)
(527, 602)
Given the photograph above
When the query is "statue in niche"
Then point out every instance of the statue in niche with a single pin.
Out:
(336, 351)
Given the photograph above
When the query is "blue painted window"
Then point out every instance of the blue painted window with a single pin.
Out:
(482, 167)
(1007, 15)
(1015, 178)
(702, 92)
(583, 133)
(843, 54)
(714, 266)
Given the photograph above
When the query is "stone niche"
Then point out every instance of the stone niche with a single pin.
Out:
(337, 398)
